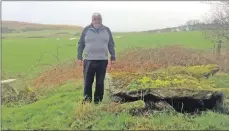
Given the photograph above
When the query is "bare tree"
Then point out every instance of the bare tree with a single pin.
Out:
(220, 18)
(192, 22)
(217, 23)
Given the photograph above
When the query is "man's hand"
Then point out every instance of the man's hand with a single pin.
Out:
(112, 62)
(80, 62)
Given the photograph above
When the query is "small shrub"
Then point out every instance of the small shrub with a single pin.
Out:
(84, 111)
(20, 94)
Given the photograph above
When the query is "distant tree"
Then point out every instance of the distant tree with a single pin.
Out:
(7, 30)
(192, 22)
(218, 18)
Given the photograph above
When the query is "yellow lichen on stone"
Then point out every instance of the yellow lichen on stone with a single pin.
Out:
(177, 77)
(195, 71)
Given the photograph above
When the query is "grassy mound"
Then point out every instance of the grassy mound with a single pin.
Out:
(60, 108)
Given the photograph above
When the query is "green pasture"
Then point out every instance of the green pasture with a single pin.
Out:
(59, 108)
(19, 55)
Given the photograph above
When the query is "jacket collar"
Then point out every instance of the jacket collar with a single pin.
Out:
(91, 27)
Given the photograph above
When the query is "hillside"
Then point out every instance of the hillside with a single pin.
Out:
(16, 27)
(195, 27)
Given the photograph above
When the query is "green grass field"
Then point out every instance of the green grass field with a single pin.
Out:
(60, 108)
(20, 55)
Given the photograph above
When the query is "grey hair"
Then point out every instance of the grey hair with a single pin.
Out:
(96, 14)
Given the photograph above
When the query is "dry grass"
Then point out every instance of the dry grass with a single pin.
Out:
(84, 111)
(59, 75)
(135, 61)
(168, 56)
(116, 107)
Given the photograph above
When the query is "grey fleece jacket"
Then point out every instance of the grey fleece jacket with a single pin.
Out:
(96, 44)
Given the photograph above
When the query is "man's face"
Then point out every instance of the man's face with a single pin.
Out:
(97, 21)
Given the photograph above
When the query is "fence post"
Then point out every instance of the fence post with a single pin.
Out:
(218, 49)
(213, 51)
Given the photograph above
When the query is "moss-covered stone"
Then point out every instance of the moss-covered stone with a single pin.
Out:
(178, 77)
(188, 100)
(170, 81)
(119, 81)
(195, 71)
(181, 85)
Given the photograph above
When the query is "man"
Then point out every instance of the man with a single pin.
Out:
(96, 41)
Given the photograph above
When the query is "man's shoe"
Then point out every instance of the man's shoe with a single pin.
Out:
(86, 101)
(97, 102)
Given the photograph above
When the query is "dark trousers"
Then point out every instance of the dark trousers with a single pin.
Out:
(92, 68)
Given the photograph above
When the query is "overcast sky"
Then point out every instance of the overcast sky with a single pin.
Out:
(117, 15)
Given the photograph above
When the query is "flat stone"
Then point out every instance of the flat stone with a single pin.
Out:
(8, 81)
